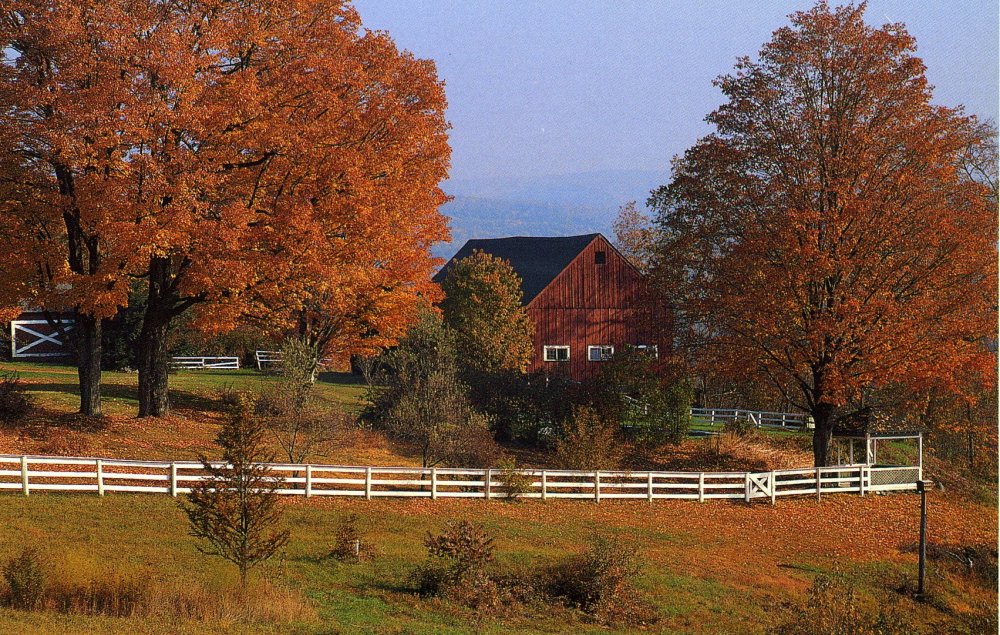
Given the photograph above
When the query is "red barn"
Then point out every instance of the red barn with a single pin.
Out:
(583, 296)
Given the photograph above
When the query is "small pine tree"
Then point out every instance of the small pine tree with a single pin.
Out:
(236, 508)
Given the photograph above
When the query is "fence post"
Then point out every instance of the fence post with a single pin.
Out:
(488, 482)
(746, 486)
(701, 487)
(649, 486)
(99, 468)
(597, 487)
(368, 483)
(861, 480)
(24, 476)
(544, 484)
(774, 487)
(434, 483)
(173, 479)
(819, 484)
(309, 481)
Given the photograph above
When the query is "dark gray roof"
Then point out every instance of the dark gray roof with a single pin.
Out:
(537, 259)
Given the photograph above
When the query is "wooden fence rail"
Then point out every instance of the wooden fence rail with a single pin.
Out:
(28, 474)
(759, 418)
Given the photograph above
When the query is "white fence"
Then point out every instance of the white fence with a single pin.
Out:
(266, 359)
(756, 417)
(51, 473)
(205, 362)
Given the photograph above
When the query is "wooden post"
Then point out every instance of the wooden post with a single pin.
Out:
(24, 476)
(309, 481)
(649, 486)
(819, 484)
(746, 486)
(173, 479)
(861, 480)
(701, 487)
(368, 483)
(774, 487)
(544, 485)
(434, 483)
(597, 487)
(488, 483)
(100, 477)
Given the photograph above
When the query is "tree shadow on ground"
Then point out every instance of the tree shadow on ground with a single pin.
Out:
(130, 394)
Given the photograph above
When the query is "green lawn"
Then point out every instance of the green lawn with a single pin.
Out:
(57, 387)
(702, 570)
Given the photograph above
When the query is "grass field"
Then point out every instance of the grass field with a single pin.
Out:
(710, 568)
(716, 567)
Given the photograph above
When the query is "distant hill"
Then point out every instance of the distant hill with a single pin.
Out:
(541, 206)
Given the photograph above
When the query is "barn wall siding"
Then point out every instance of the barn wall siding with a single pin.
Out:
(589, 304)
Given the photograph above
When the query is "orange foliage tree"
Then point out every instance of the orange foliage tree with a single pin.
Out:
(635, 236)
(824, 237)
(228, 154)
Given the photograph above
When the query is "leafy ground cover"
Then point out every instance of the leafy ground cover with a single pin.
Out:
(716, 567)
(708, 568)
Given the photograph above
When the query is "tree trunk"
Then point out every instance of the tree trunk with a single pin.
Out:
(87, 334)
(824, 420)
(152, 358)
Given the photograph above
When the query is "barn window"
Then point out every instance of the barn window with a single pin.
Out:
(648, 349)
(599, 258)
(600, 353)
(555, 353)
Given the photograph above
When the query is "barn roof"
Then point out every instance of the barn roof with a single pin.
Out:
(536, 259)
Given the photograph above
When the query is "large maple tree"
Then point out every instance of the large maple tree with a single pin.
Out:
(226, 153)
(825, 237)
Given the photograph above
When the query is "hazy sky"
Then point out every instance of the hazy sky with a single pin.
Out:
(557, 87)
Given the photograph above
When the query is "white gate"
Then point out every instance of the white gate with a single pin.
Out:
(38, 338)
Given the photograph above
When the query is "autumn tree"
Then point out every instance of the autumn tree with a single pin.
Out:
(421, 401)
(635, 236)
(824, 237)
(228, 156)
(235, 509)
(482, 305)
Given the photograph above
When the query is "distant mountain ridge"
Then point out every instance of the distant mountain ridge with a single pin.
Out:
(547, 205)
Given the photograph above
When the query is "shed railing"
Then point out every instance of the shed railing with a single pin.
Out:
(758, 418)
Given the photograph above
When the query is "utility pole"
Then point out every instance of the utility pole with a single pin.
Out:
(922, 571)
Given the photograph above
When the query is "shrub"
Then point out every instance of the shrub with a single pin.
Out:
(513, 482)
(25, 577)
(589, 443)
(741, 427)
(464, 550)
(833, 608)
(228, 396)
(15, 404)
(601, 582)
(350, 547)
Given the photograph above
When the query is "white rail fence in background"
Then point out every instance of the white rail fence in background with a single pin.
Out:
(28, 474)
(267, 359)
(756, 417)
(205, 362)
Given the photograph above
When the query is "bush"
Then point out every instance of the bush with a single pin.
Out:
(833, 608)
(513, 482)
(740, 427)
(464, 550)
(601, 582)
(15, 404)
(228, 396)
(350, 547)
(25, 577)
(589, 443)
